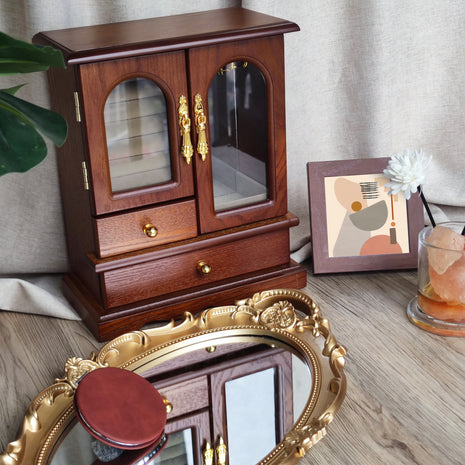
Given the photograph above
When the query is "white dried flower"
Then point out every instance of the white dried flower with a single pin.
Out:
(407, 171)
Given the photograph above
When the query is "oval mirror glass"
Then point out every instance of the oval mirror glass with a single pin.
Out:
(252, 392)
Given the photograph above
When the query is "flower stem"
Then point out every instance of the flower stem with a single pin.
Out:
(425, 203)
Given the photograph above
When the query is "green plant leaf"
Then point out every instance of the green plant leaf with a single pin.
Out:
(12, 90)
(21, 146)
(50, 124)
(24, 125)
(17, 56)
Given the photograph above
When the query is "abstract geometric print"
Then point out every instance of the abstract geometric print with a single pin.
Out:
(362, 219)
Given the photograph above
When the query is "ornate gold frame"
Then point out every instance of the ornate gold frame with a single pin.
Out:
(283, 317)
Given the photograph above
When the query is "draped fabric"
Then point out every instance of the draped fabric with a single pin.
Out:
(363, 79)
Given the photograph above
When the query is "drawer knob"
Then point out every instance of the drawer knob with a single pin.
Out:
(168, 405)
(204, 268)
(150, 230)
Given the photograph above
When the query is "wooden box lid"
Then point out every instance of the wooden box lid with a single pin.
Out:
(140, 37)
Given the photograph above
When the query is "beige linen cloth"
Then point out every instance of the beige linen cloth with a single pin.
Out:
(363, 79)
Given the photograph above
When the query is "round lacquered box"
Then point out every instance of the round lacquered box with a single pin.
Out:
(122, 410)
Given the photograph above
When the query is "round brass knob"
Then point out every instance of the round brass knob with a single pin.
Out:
(150, 230)
(204, 268)
(168, 405)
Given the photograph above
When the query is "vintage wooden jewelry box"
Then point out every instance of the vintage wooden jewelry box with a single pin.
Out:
(173, 176)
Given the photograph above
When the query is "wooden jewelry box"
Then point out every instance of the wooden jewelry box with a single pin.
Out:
(173, 177)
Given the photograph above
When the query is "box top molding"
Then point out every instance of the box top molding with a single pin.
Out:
(145, 36)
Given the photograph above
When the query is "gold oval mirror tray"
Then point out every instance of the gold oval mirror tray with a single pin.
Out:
(279, 318)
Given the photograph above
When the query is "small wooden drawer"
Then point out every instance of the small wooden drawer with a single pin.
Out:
(186, 396)
(179, 271)
(144, 228)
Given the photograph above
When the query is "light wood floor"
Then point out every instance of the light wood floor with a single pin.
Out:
(405, 400)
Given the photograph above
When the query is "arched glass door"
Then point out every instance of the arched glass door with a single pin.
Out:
(237, 104)
(137, 135)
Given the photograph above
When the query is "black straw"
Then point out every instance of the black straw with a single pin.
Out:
(428, 211)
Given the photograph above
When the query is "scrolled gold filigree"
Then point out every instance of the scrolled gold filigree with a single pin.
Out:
(76, 368)
(14, 452)
(280, 315)
(300, 441)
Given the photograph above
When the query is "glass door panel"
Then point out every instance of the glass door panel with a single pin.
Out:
(137, 135)
(250, 417)
(130, 111)
(237, 104)
(242, 179)
(178, 450)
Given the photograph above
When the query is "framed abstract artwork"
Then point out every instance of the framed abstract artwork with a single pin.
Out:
(355, 224)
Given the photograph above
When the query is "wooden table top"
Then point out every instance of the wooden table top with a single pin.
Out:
(405, 403)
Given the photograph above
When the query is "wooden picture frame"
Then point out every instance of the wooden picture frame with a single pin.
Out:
(355, 224)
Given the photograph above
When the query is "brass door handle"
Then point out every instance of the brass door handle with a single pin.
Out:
(204, 268)
(208, 454)
(221, 452)
(201, 127)
(187, 151)
(150, 230)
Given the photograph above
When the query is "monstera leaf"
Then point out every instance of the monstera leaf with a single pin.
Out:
(24, 125)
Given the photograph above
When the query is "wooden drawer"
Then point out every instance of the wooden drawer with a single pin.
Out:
(125, 232)
(180, 270)
(186, 396)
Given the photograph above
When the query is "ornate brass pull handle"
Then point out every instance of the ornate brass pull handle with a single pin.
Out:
(208, 454)
(201, 126)
(150, 230)
(187, 151)
(221, 452)
(204, 268)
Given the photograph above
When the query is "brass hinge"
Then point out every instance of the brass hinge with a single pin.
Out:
(77, 107)
(85, 175)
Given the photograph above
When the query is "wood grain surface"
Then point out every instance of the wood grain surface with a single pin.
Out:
(405, 403)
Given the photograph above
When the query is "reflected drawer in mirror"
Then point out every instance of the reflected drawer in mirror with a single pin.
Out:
(186, 396)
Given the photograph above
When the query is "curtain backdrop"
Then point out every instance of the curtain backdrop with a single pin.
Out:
(370, 78)
(364, 78)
